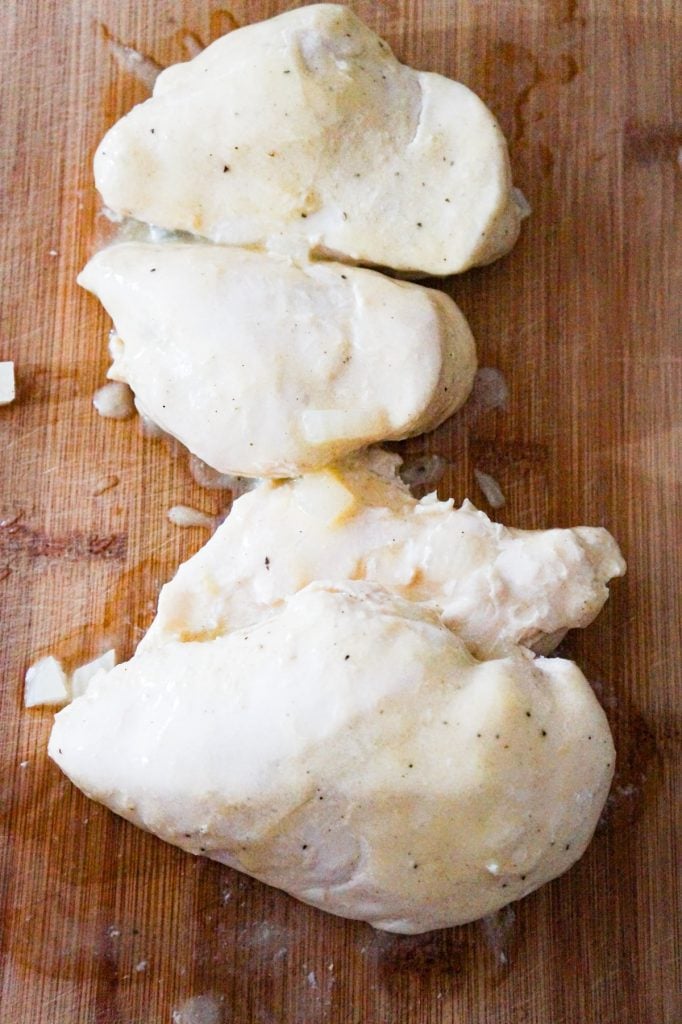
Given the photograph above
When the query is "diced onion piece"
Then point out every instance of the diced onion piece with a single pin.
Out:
(46, 683)
(184, 515)
(323, 496)
(83, 676)
(7, 386)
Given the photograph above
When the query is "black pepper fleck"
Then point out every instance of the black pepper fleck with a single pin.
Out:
(267, 562)
(226, 168)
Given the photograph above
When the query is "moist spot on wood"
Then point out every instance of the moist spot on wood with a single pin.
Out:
(19, 539)
(650, 144)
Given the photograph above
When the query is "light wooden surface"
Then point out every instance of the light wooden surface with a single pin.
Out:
(102, 923)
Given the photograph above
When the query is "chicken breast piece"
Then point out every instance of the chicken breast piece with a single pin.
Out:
(495, 586)
(265, 368)
(305, 133)
(351, 751)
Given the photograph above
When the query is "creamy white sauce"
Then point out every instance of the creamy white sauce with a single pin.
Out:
(114, 401)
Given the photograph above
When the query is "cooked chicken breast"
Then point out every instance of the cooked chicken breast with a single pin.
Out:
(350, 750)
(305, 133)
(265, 368)
(493, 585)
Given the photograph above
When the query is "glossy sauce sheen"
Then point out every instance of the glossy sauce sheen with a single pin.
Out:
(104, 922)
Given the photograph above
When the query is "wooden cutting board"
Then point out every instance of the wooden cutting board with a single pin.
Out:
(102, 923)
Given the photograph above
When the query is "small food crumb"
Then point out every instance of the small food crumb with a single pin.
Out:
(185, 516)
(490, 391)
(424, 471)
(491, 489)
(114, 401)
(521, 202)
(104, 484)
(202, 1009)
(46, 683)
(7, 385)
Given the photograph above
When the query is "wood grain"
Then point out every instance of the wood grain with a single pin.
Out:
(102, 923)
